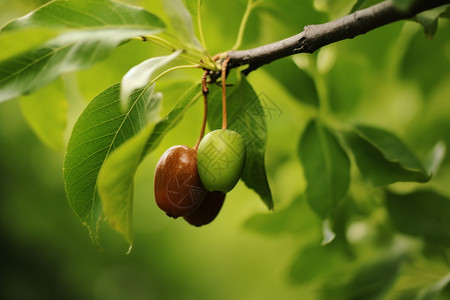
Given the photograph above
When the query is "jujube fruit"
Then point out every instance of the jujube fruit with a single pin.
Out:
(221, 159)
(178, 188)
(208, 209)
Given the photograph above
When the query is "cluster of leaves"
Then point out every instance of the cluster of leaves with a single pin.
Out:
(120, 126)
(365, 184)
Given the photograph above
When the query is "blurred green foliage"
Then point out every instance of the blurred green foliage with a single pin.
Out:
(393, 78)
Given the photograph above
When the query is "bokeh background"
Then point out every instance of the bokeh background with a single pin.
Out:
(392, 77)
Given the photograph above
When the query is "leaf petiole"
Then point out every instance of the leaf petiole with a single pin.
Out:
(250, 6)
(191, 58)
(205, 92)
(224, 93)
(171, 70)
(159, 41)
(200, 29)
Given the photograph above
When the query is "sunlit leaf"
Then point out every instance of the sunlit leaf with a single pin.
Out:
(326, 167)
(433, 291)
(327, 232)
(181, 22)
(422, 213)
(382, 158)
(435, 158)
(86, 14)
(192, 6)
(45, 112)
(100, 129)
(116, 182)
(26, 72)
(10, 45)
(247, 117)
(139, 76)
(95, 38)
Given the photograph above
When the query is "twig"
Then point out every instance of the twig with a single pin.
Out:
(314, 37)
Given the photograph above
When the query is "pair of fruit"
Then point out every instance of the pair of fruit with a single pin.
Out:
(193, 184)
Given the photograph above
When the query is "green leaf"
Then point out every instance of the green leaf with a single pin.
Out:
(371, 282)
(446, 13)
(326, 167)
(181, 22)
(286, 220)
(433, 291)
(382, 158)
(422, 213)
(192, 6)
(347, 82)
(139, 76)
(327, 232)
(86, 14)
(11, 45)
(315, 262)
(116, 182)
(247, 117)
(172, 118)
(435, 158)
(26, 72)
(74, 50)
(429, 19)
(300, 84)
(100, 129)
(45, 112)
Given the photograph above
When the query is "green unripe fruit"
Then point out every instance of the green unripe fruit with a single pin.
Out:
(221, 159)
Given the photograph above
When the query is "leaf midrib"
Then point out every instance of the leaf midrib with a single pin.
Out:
(111, 144)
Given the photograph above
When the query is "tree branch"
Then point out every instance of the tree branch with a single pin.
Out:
(314, 37)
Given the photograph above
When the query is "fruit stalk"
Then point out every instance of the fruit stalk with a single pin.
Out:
(205, 92)
(224, 93)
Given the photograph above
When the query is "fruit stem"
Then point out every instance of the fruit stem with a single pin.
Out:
(224, 93)
(205, 92)
(159, 41)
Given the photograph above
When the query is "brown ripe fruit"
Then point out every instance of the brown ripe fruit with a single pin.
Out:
(208, 210)
(178, 188)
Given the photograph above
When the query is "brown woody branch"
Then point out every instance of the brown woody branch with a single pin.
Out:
(314, 37)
